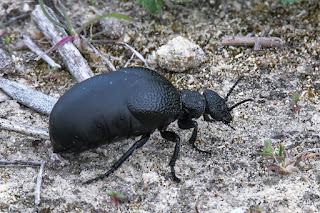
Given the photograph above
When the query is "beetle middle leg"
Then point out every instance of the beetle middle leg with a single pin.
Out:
(171, 136)
(124, 157)
(188, 124)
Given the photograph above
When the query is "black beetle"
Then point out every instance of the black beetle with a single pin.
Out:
(130, 102)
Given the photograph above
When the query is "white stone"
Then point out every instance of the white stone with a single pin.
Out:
(179, 54)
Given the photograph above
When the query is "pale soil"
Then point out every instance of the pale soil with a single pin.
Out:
(234, 176)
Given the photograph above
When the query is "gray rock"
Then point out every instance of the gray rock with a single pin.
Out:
(179, 54)
(112, 27)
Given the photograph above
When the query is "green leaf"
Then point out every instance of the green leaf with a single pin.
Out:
(7, 40)
(267, 144)
(280, 150)
(153, 6)
(264, 154)
(258, 208)
(93, 2)
(115, 194)
(295, 97)
(268, 149)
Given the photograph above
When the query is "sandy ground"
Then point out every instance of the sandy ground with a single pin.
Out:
(234, 177)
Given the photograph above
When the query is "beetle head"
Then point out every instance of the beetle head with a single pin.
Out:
(217, 107)
(210, 103)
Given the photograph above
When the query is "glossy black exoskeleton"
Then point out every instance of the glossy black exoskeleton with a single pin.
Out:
(130, 102)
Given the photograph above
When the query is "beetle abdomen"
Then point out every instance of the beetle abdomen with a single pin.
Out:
(99, 110)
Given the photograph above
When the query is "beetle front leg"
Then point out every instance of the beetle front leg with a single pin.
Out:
(171, 136)
(115, 166)
(188, 124)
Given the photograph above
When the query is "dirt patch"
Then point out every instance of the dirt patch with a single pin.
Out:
(234, 176)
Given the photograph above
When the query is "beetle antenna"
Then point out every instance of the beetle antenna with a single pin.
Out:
(230, 91)
(237, 104)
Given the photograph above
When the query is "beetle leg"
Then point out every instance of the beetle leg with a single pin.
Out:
(207, 118)
(171, 136)
(115, 166)
(188, 124)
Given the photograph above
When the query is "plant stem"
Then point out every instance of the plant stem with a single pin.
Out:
(50, 18)
(70, 27)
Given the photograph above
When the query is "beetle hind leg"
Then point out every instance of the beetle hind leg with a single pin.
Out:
(115, 166)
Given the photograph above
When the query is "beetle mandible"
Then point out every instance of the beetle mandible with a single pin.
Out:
(129, 102)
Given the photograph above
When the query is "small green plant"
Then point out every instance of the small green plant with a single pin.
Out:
(281, 161)
(6, 39)
(256, 209)
(155, 6)
(69, 27)
(75, 33)
(116, 197)
(295, 98)
(93, 2)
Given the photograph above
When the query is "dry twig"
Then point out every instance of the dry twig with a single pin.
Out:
(14, 19)
(136, 53)
(257, 42)
(34, 48)
(39, 176)
(107, 61)
(24, 129)
(126, 45)
(38, 185)
(27, 96)
(71, 56)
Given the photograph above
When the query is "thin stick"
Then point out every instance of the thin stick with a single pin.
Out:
(38, 185)
(34, 48)
(196, 206)
(24, 129)
(305, 152)
(13, 19)
(39, 176)
(21, 162)
(128, 62)
(257, 42)
(27, 96)
(107, 61)
(136, 53)
(125, 44)
(71, 56)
